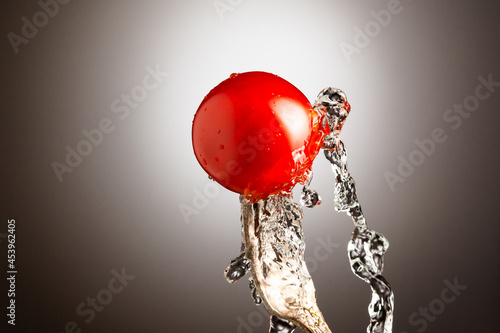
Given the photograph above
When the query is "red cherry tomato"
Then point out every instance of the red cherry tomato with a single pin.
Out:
(256, 134)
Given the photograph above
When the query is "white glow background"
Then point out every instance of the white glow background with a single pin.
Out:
(120, 206)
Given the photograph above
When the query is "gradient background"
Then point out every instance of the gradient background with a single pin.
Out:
(120, 206)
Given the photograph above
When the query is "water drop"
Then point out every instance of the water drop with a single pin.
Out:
(308, 197)
(279, 325)
(237, 268)
(254, 292)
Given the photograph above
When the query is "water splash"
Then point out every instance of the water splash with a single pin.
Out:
(275, 247)
(367, 247)
(273, 243)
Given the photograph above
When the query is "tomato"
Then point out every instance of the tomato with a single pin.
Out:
(257, 134)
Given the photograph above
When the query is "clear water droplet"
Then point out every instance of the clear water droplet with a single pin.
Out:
(309, 198)
(254, 292)
(237, 268)
(279, 325)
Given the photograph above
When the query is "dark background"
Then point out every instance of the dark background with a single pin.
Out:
(120, 208)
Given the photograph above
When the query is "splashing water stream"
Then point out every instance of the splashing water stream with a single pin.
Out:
(273, 243)
(367, 247)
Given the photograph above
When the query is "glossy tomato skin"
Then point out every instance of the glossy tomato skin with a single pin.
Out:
(256, 134)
